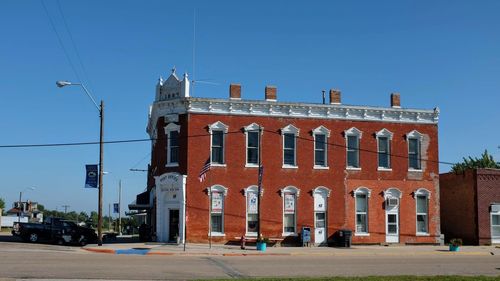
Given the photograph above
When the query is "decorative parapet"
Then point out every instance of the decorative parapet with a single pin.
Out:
(291, 110)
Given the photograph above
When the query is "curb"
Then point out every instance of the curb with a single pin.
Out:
(102, 251)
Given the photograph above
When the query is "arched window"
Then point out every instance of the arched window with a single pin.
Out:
(384, 138)
(414, 139)
(172, 136)
(422, 197)
(290, 195)
(253, 144)
(321, 135)
(217, 194)
(361, 195)
(217, 132)
(352, 137)
(290, 134)
(252, 217)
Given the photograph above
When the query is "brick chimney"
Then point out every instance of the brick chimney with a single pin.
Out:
(395, 100)
(334, 96)
(235, 91)
(271, 93)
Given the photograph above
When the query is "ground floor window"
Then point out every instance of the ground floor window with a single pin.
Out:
(290, 195)
(495, 223)
(217, 194)
(252, 210)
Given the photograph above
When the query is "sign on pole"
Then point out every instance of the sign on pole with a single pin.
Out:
(91, 177)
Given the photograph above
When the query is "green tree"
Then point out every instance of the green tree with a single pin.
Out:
(41, 207)
(2, 204)
(485, 161)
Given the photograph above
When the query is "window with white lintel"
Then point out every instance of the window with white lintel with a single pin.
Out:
(172, 135)
(361, 196)
(289, 136)
(218, 131)
(422, 197)
(321, 135)
(217, 195)
(290, 195)
(353, 137)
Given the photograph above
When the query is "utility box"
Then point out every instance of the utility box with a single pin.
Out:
(306, 236)
(343, 238)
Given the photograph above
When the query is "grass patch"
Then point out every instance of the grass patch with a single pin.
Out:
(380, 278)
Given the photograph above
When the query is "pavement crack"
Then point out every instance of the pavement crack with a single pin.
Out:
(226, 268)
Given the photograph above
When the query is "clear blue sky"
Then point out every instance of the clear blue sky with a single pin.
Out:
(435, 53)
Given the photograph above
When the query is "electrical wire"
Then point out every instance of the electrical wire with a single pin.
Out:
(60, 41)
(197, 136)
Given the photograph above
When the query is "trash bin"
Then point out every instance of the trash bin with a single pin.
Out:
(306, 235)
(343, 238)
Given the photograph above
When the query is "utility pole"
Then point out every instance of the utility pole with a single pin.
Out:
(120, 208)
(259, 185)
(65, 208)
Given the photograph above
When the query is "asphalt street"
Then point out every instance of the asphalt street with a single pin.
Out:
(44, 261)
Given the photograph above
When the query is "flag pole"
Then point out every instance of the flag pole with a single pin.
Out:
(259, 182)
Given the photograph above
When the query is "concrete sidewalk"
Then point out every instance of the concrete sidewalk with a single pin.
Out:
(162, 249)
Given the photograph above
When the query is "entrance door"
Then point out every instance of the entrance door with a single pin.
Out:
(173, 229)
(392, 220)
(319, 228)
(320, 216)
(495, 224)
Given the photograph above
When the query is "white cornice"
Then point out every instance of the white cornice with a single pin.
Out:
(291, 110)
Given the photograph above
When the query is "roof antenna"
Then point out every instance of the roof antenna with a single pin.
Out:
(194, 50)
(323, 96)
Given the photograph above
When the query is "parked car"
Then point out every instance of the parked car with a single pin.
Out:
(55, 230)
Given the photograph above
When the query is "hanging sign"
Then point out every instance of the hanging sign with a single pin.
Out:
(252, 203)
(289, 203)
(216, 202)
(91, 176)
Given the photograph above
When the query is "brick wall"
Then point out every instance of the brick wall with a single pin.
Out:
(458, 206)
(488, 192)
(341, 182)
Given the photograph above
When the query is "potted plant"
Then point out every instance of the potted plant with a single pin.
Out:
(262, 243)
(455, 244)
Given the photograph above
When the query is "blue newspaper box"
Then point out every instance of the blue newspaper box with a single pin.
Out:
(306, 235)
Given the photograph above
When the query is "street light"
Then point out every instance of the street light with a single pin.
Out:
(21, 201)
(100, 108)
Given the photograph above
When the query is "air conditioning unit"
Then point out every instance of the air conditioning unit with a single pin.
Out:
(392, 202)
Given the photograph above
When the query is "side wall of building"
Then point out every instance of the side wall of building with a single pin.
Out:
(458, 206)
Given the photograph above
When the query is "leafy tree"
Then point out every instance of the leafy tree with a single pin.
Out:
(2, 204)
(41, 207)
(486, 161)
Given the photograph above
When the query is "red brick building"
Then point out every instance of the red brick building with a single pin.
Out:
(326, 166)
(470, 206)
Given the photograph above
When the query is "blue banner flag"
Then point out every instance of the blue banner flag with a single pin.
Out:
(92, 176)
(116, 208)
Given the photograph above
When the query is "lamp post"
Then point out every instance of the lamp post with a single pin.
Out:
(100, 108)
(21, 201)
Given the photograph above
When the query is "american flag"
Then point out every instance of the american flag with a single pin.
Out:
(204, 171)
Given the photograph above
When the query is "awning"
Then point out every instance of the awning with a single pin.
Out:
(141, 202)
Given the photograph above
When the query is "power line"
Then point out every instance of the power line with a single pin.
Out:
(197, 136)
(60, 41)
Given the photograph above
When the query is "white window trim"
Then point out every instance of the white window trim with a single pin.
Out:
(290, 129)
(222, 189)
(252, 128)
(167, 129)
(359, 134)
(492, 213)
(366, 191)
(218, 126)
(296, 191)
(426, 193)
(253, 189)
(419, 137)
(388, 134)
(321, 130)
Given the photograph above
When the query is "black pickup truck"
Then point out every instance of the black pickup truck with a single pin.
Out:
(55, 230)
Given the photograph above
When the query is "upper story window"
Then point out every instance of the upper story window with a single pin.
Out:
(414, 139)
(353, 137)
(253, 144)
(422, 197)
(384, 138)
(172, 135)
(290, 195)
(290, 134)
(361, 196)
(217, 194)
(321, 135)
(217, 132)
